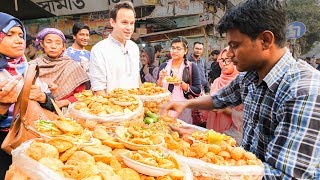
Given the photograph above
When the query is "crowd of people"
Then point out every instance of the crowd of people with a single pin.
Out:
(253, 90)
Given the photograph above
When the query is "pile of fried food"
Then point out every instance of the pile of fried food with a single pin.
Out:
(99, 161)
(151, 89)
(172, 79)
(62, 127)
(147, 89)
(114, 102)
(211, 147)
(139, 134)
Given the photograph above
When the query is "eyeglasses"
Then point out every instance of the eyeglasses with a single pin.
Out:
(178, 49)
(225, 61)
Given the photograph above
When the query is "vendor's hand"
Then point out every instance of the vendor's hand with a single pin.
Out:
(176, 106)
(37, 95)
(9, 91)
(183, 130)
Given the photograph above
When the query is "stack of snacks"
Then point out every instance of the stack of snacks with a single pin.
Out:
(152, 96)
(214, 155)
(64, 128)
(61, 159)
(117, 106)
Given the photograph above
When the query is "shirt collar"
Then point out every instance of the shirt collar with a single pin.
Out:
(275, 75)
(116, 41)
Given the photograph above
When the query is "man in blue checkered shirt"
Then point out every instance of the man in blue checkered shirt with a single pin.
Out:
(281, 95)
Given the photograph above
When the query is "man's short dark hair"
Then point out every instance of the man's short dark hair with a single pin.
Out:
(125, 4)
(215, 52)
(197, 42)
(158, 48)
(78, 26)
(252, 17)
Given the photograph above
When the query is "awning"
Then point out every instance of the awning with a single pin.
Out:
(23, 9)
(162, 35)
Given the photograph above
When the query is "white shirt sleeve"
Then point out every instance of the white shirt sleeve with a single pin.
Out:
(97, 70)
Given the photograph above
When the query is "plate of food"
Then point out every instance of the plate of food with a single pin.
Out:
(136, 137)
(172, 80)
(151, 162)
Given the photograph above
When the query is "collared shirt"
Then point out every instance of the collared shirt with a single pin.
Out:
(202, 69)
(281, 117)
(77, 55)
(113, 65)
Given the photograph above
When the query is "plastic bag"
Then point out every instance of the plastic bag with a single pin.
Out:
(30, 167)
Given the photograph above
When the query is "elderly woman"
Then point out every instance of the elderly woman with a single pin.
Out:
(64, 76)
(13, 65)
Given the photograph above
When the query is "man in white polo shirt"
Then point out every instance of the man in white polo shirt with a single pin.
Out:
(114, 61)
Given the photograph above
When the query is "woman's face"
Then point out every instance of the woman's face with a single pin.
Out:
(225, 64)
(53, 46)
(177, 51)
(144, 58)
(13, 44)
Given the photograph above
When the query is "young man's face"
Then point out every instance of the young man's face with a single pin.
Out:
(123, 26)
(245, 53)
(198, 50)
(13, 44)
(82, 37)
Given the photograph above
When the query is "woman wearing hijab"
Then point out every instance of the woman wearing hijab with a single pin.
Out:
(179, 66)
(13, 65)
(222, 120)
(148, 72)
(64, 76)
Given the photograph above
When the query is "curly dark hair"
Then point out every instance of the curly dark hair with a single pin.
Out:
(252, 17)
(121, 5)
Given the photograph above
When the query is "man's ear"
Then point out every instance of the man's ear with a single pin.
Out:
(112, 22)
(267, 39)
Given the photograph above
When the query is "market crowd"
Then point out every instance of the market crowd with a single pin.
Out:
(253, 90)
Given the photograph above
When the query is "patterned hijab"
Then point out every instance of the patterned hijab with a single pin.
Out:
(15, 66)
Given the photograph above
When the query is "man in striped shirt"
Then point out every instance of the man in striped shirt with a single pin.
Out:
(281, 95)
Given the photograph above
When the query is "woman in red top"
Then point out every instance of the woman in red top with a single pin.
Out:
(65, 74)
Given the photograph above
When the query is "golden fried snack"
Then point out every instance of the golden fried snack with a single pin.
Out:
(104, 167)
(105, 158)
(87, 92)
(101, 133)
(97, 150)
(86, 170)
(61, 143)
(64, 156)
(176, 175)
(113, 144)
(172, 79)
(117, 153)
(237, 153)
(200, 149)
(81, 156)
(79, 105)
(69, 126)
(95, 177)
(52, 163)
(39, 150)
(108, 176)
(128, 174)
(115, 164)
